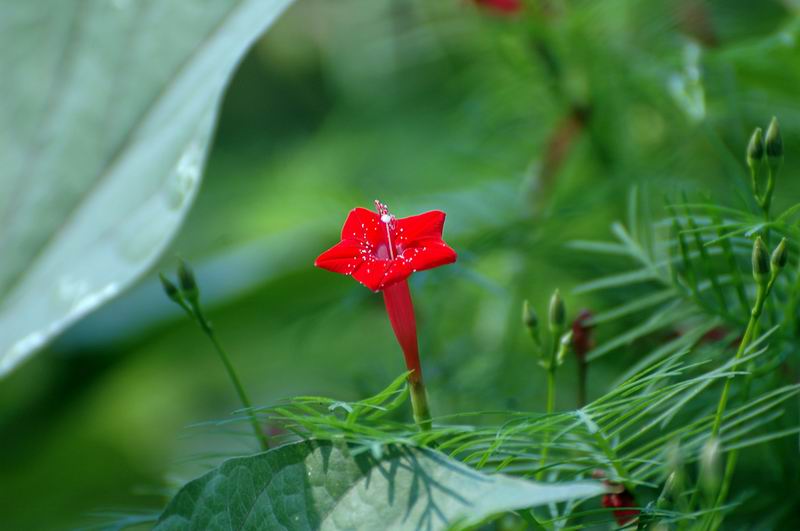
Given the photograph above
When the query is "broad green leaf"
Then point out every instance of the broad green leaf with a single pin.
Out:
(105, 119)
(320, 485)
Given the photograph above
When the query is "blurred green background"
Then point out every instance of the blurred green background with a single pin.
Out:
(529, 130)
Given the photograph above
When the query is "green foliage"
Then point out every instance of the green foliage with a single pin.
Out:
(528, 131)
(320, 485)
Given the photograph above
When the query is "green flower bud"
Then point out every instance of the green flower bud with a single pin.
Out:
(710, 473)
(760, 262)
(170, 288)
(529, 318)
(779, 257)
(773, 141)
(755, 149)
(188, 282)
(556, 313)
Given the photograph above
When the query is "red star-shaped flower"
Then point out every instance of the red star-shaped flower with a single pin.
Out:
(379, 250)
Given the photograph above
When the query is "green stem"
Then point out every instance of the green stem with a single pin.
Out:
(582, 372)
(748, 335)
(713, 521)
(755, 313)
(419, 403)
(205, 326)
(551, 405)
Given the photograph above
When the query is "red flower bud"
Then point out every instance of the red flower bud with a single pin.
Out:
(623, 503)
(582, 337)
(501, 6)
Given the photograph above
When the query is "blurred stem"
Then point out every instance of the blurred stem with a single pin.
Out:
(551, 404)
(551, 398)
(755, 313)
(762, 293)
(730, 463)
(733, 456)
(205, 326)
(582, 374)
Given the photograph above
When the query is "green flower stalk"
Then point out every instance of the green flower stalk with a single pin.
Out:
(187, 296)
(765, 273)
(559, 345)
(556, 321)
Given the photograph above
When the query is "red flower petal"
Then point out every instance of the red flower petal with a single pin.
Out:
(364, 226)
(371, 273)
(427, 254)
(424, 226)
(344, 257)
(379, 253)
(623, 503)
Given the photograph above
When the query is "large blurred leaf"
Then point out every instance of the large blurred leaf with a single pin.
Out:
(318, 485)
(106, 114)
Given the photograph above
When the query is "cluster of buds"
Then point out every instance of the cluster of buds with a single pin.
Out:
(765, 150)
(561, 338)
(766, 267)
(185, 294)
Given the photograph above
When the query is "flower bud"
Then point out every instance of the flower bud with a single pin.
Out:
(773, 142)
(187, 282)
(779, 257)
(755, 149)
(563, 347)
(582, 340)
(556, 313)
(710, 475)
(760, 262)
(170, 288)
(622, 502)
(529, 318)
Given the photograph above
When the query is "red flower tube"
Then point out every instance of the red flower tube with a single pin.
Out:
(381, 252)
(582, 343)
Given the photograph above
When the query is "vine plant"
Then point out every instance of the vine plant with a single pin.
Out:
(711, 318)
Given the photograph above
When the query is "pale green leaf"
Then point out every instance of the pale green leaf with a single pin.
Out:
(104, 128)
(320, 485)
